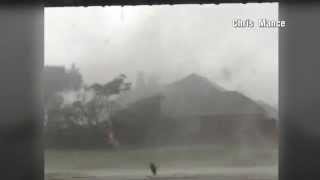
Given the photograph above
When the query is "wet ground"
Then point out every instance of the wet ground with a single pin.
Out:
(234, 173)
(179, 163)
(198, 177)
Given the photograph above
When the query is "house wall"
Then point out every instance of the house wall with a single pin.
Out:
(249, 129)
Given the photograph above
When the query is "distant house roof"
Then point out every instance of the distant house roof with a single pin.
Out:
(85, 3)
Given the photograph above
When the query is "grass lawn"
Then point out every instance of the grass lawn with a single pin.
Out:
(182, 157)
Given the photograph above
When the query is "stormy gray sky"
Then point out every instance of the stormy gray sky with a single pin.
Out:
(169, 42)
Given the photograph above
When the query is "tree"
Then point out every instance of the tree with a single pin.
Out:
(111, 88)
(83, 122)
(74, 78)
(103, 103)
